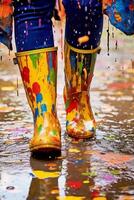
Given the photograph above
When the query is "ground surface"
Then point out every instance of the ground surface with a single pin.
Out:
(102, 167)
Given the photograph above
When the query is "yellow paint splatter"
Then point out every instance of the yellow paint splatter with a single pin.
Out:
(8, 88)
(90, 152)
(130, 70)
(86, 181)
(99, 198)
(42, 174)
(6, 109)
(70, 198)
(56, 191)
(74, 151)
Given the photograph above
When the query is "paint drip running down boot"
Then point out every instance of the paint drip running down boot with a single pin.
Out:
(39, 74)
(79, 68)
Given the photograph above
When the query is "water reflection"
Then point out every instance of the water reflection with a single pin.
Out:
(84, 173)
(44, 184)
(65, 178)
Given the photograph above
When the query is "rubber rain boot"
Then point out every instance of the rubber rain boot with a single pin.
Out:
(39, 74)
(79, 68)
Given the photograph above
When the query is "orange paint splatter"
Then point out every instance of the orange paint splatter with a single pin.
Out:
(5, 9)
(118, 86)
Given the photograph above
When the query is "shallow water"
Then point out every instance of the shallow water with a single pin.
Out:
(99, 169)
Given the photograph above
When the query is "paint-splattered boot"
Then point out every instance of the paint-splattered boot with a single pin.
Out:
(79, 68)
(39, 74)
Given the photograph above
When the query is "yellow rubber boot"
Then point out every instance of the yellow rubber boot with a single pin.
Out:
(79, 68)
(39, 74)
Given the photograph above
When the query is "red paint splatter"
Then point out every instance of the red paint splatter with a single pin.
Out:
(36, 88)
(131, 7)
(73, 105)
(25, 74)
(54, 58)
(95, 193)
(7, 1)
(76, 120)
(30, 93)
(90, 78)
(74, 184)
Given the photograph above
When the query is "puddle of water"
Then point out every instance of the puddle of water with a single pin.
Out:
(99, 169)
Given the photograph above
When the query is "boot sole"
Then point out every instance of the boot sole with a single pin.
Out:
(77, 136)
(45, 151)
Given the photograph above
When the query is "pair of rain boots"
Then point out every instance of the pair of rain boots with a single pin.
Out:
(38, 70)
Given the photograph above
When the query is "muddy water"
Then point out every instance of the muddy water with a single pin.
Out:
(99, 169)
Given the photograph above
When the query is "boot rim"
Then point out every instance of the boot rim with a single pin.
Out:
(83, 51)
(36, 51)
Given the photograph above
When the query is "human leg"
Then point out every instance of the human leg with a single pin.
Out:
(83, 20)
(37, 59)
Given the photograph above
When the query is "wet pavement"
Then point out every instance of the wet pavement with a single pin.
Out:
(99, 169)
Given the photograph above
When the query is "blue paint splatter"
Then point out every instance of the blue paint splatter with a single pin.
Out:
(67, 122)
(48, 78)
(73, 60)
(50, 60)
(36, 113)
(39, 98)
(43, 108)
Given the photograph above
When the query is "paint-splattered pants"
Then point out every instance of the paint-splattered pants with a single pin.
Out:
(83, 18)
(33, 25)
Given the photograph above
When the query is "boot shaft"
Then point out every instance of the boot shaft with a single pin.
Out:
(38, 69)
(79, 69)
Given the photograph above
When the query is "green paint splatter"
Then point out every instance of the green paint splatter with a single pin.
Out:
(54, 132)
(52, 75)
(40, 128)
(35, 59)
(48, 78)
(110, 137)
(80, 68)
(90, 174)
(115, 172)
(67, 104)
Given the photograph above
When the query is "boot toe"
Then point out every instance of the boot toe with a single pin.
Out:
(81, 130)
(45, 147)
